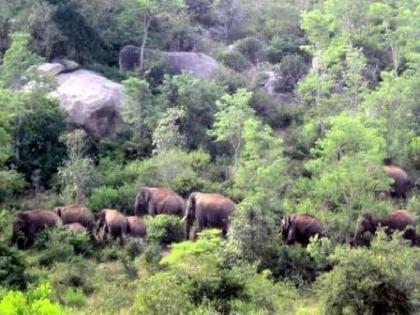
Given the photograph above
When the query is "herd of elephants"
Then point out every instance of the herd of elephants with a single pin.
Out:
(204, 210)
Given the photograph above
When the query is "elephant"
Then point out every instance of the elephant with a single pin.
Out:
(77, 214)
(398, 220)
(75, 228)
(136, 227)
(299, 228)
(208, 210)
(27, 224)
(129, 58)
(402, 182)
(114, 224)
(158, 200)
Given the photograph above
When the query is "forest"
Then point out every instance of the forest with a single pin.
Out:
(209, 157)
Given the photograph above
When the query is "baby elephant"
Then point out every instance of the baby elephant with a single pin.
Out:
(76, 228)
(136, 227)
(399, 220)
(114, 224)
(27, 224)
(299, 228)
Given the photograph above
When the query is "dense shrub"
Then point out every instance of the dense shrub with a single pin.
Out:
(164, 229)
(253, 49)
(12, 267)
(34, 302)
(279, 47)
(59, 245)
(104, 197)
(235, 60)
(290, 70)
(375, 280)
(78, 273)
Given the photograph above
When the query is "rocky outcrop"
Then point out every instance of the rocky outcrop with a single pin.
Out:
(91, 102)
(198, 64)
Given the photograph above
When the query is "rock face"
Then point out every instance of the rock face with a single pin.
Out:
(90, 101)
(200, 65)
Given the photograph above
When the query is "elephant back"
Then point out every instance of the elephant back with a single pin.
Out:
(398, 220)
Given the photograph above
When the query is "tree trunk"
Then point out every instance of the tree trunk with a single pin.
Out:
(146, 25)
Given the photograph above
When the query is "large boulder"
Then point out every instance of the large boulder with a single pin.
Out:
(200, 65)
(91, 102)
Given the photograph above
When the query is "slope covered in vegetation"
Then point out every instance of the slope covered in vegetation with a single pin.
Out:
(286, 107)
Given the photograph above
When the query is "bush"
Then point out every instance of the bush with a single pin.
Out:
(74, 298)
(61, 245)
(253, 49)
(78, 273)
(12, 268)
(279, 47)
(33, 302)
(290, 70)
(160, 294)
(235, 60)
(103, 197)
(376, 280)
(151, 257)
(164, 229)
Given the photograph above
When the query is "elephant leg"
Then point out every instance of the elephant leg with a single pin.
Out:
(291, 236)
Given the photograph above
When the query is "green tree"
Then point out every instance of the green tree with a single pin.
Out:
(78, 173)
(376, 280)
(234, 111)
(261, 173)
(150, 9)
(138, 110)
(167, 135)
(17, 59)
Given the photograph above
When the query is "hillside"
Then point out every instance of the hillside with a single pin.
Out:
(209, 157)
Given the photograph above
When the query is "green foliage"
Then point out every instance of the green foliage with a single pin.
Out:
(34, 302)
(374, 280)
(38, 124)
(261, 157)
(290, 70)
(78, 173)
(198, 99)
(12, 267)
(253, 49)
(17, 59)
(235, 60)
(164, 229)
(60, 245)
(278, 48)
(234, 111)
(103, 197)
(167, 136)
(74, 298)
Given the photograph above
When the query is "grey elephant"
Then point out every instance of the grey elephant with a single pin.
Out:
(398, 220)
(299, 228)
(136, 227)
(158, 200)
(402, 182)
(27, 224)
(77, 214)
(114, 225)
(208, 210)
(129, 58)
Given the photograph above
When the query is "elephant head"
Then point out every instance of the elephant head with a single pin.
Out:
(58, 211)
(190, 214)
(365, 223)
(285, 223)
(142, 201)
(19, 226)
